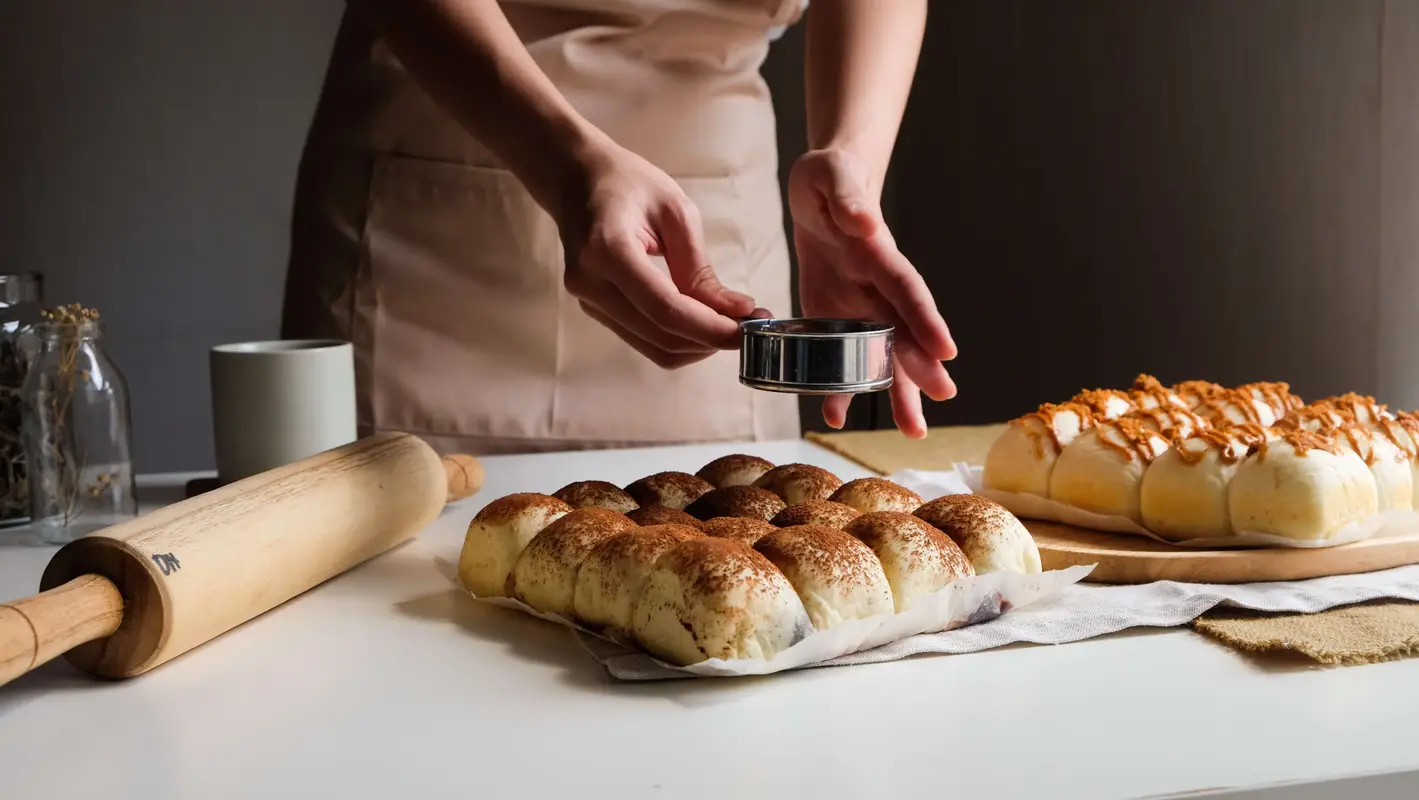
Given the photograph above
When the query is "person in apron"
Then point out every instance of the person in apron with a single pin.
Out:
(539, 221)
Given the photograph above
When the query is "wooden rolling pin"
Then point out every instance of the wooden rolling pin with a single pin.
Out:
(123, 600)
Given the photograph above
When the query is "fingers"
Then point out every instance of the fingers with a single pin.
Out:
(682, 239)
(658, 355)
(653, 296)
(910, 298)
(929, 374)
(835, 408)
(906, 406)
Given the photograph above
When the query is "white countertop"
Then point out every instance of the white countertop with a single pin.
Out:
(386, 682)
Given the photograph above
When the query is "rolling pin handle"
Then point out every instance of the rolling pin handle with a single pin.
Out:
(37, 629)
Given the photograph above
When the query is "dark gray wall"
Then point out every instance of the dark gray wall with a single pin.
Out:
(1200, 188)
(147, 153)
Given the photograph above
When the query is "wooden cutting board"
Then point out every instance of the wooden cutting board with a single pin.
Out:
(1133, 559)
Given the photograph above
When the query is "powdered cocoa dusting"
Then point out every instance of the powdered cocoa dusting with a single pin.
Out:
(816, 512)
(663, 487)
(662, 515)
(505, 509)
(741, 529)
(736, 501)
(823, 550)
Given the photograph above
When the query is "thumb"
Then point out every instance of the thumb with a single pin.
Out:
(844, 193)
(682, 241)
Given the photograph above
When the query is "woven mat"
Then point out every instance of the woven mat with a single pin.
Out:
(1359, 634)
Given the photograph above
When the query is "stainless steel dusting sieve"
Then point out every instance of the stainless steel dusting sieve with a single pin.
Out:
(815, 356)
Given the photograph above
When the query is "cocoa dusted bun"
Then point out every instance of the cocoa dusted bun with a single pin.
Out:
(614, 574)
(736, 501)
(816, 512)
(669, 489)
(991, 537)
(596, 494)
(877, 494)
(544, 576)
(741, 529)
(837, 576)
(498, 533)
(919, 560)
(660, 515)
(734, 470)
(798, 482)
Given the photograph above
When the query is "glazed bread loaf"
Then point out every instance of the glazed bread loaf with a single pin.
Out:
(736, 501)
(734, 470)
(670, 489)
(740, 529)
(544, 575)
(876, 494)
(1184, 491)
(991, 537)
(798, 482)
(1022, 459)
(497, 535)
(1102, 470)
(837, 577)
(596, 494)
(712, 598)
(816, 512)
(613, 575)
(1301, 486)
(917, 559)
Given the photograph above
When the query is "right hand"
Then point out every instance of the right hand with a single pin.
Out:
(619, 212)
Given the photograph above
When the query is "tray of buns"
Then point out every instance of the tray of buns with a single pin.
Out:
(746, 567)
(1206, 466)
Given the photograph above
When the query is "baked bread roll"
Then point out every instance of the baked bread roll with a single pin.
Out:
(544, 575)
(990, 536)
(1391, 467)
(1023, 457)
(816, 512)
(1184, 492)
(1148, 393)
(734, 470)
(1102, 470)
(1174, 421)
(1403, 431)
(1275, 395)
(741, 529)
(917, 559)
(798, 482)
(837, 577)
(1236, 407)
(1104, 404)
(670, 489)
(736, 501)
(1356, 408)
(614, 574)
(1302, 486)
(596, 494)
(660, 515)
(876, 494)
(497, 535)
(716, 598)
(1193, 393)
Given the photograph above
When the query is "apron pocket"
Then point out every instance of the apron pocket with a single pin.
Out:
(465, 275)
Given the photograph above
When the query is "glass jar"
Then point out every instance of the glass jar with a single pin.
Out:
(21, 299)
(76, 431)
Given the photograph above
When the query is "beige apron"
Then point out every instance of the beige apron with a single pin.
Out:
(410, 240)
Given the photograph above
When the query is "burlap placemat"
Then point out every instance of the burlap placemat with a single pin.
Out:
(1359, 634)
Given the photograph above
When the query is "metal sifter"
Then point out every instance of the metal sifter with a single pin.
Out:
(815, 356)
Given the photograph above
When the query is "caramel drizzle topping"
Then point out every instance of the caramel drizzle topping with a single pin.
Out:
(1171, 418)
(1348, 405)
(1276, 394)
(1302, 442)
(1214, 406)
(1135, 438)
(1324, 418)
(1406, 443)
(1249, 435)
(1147, 384)
(1202, 390)
(1046, 414)
(1098, 400)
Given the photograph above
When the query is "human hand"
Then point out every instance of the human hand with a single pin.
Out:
(619, 211)
(849, 267)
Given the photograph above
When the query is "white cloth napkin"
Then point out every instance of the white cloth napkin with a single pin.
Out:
(1083, 611)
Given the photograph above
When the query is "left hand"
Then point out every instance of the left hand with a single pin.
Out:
(849, 267)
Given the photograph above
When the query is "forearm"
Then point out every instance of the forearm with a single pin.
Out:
(861, 56)
(467, 56)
